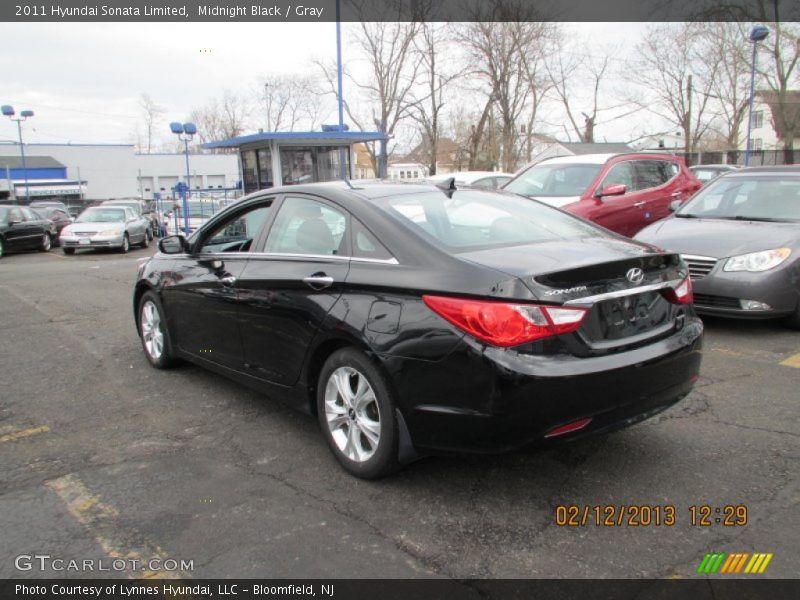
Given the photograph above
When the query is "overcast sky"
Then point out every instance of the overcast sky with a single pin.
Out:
(83, 80)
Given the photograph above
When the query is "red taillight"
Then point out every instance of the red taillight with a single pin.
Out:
(568, 428)
(503, 323)
(681, 294)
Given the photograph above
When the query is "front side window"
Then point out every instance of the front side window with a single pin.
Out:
(305, 226)
(236, 233)
(620, 174)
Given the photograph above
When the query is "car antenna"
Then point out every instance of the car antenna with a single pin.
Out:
(448, 186)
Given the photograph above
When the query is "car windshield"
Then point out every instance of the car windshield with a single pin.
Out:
(102, 215)
(472, 219)
(747, 198)
(554, 180)
(198, 210)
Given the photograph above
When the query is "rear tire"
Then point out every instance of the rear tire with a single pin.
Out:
(126, 244)
(2, 248)
(357, 416)
(45, 244)
(154, 333)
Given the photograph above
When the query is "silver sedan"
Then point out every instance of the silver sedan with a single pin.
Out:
(116, 227)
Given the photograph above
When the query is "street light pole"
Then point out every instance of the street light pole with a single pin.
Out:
(8, 111)
(185, 131)
(757, 34)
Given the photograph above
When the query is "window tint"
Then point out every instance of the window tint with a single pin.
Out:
(366, 245)
(648, 174)
(305, 226)
(237, 232)
(472, 219)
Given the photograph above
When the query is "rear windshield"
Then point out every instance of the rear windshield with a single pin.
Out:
(473, 219)
(554, 180)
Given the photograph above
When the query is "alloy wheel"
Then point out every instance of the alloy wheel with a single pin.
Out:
(352, 414)
(152, 335)
(46, 242)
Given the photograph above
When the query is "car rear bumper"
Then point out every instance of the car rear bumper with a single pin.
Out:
(497, 400)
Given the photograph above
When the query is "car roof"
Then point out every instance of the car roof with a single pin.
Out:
(581, 159)
(467, 176)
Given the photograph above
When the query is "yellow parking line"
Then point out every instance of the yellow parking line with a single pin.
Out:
(101, 519)
(18, 435)
(792, 361)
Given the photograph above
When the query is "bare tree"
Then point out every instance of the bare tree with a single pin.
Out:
(496, 49)
(437, 72)
(680, 85)
(781, 75)
(577, 79)
(221, 118)
(290, 101)
(387, 49)
(151, 114)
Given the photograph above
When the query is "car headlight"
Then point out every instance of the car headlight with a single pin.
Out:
(758, 261)
(115, 231)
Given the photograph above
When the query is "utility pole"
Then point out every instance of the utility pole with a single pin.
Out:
(687, 126)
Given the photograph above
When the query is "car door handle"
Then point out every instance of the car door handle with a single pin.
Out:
(228, 281)
(676, 194)
(642, 203)
(318, 281)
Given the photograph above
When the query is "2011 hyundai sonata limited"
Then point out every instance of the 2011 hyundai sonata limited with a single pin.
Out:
(413, 319)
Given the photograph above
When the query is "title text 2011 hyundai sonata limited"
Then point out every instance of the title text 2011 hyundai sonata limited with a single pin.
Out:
(414, 319)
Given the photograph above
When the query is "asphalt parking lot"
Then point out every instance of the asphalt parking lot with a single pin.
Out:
(103, 456)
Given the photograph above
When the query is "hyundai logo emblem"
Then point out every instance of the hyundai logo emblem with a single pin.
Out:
(635, 275)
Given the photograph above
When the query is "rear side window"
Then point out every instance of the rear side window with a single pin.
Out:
(471, 219)
(366, 245)
(305, 226)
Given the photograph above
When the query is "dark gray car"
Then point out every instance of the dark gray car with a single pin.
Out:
(740, 238)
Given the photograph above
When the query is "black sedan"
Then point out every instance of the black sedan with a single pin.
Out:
(740, 237)
(57, 218)
(413, 319)
(22, 229)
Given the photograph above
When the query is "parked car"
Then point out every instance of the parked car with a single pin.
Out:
(199, 212)
(484, 179)
(106, 227)
(22, 229)
(57, 218)
(50, 204)
(740, 238)
(621, 192)
(706, 173)
(139, 206)
(412, 319)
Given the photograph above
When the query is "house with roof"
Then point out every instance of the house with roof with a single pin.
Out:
(544, 146)
(450, 158)
(771, 123)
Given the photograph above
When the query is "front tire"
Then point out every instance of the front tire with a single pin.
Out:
(154, 333)
(126, 244)
(45, 244)
(2, 248)
(356, 413)
(146, 241)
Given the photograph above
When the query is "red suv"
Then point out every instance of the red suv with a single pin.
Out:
(621, 192)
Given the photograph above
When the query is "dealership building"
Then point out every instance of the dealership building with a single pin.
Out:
(79, 173)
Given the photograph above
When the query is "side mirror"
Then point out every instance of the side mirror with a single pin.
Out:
(674, 205)
(172, 244)
(616, 189)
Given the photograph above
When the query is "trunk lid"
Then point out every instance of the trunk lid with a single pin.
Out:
(621, 284)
